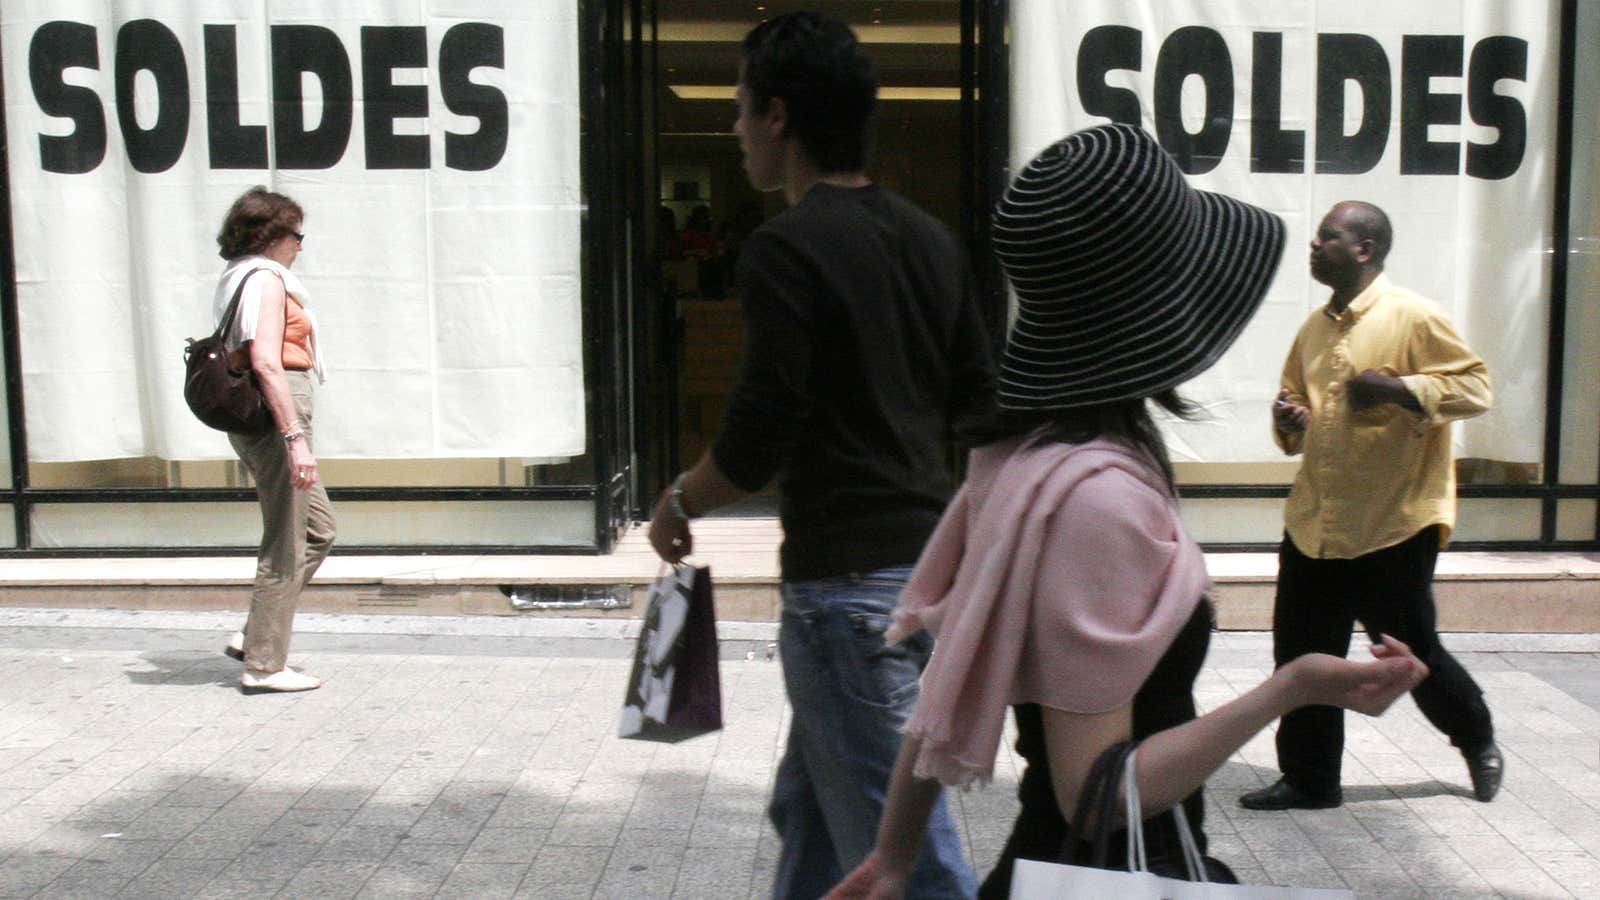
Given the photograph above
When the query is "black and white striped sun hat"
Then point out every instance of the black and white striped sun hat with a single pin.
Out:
(1128, 280)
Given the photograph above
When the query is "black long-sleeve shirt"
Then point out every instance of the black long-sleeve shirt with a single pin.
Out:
(864, 347)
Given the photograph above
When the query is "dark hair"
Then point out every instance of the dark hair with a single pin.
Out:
(827, 82)
(1125, 421)
(257, 219)
(1370, 224)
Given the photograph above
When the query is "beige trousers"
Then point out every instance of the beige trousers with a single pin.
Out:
(297, 530)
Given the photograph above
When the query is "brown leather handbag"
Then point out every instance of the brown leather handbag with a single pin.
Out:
(219, 395)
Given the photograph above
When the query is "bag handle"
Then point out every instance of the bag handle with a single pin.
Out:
(1133, 816)
(1099, 792)
(1191, 850)
(1115, 767)
(678, 566)
(1192, 859)
(232, 312)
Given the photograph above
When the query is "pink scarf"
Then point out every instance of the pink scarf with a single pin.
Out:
(974, 589)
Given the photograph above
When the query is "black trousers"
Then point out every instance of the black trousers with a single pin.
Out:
(1165, 700)
(1390, 591)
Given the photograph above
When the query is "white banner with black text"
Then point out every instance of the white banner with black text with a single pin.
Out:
(1442, 112)
(433, 145)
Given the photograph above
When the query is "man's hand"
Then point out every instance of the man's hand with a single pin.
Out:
(1372, 388)
(1287, 416)
(669, 532)
(699, 491)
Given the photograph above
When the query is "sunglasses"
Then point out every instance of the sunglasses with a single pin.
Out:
(299, 238)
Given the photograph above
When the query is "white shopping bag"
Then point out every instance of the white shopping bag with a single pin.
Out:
(1034, 880)
(1173, 889)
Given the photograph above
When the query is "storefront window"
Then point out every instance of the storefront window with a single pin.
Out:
(1580, 411)
(1445, 113)
(1579, 519)
(371, 523)
(437, 160)
(496, 335)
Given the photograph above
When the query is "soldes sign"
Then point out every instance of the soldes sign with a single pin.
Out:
(297, 51)
(1342, 59)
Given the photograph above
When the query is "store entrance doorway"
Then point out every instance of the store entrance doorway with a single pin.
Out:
(706, 207)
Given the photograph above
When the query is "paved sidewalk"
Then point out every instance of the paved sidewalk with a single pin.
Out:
(477, 765)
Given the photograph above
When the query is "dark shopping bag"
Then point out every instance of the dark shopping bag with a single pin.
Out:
(675, 691)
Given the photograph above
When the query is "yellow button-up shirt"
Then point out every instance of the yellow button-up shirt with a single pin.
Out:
(1372, 478)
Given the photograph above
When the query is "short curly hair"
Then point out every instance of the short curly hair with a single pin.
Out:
(257, 219)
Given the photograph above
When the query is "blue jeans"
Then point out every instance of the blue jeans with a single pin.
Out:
(850, 696)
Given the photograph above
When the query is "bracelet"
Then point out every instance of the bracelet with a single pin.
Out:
(293, 434)
(675, 500)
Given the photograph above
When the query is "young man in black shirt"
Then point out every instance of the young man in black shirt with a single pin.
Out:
(865, 346)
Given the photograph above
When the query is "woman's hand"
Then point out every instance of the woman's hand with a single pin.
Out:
(1364, 687)
(302, 465)
(874, 879)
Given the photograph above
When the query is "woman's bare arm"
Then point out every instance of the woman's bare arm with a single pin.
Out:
(266, 358)
(1172, 763)
(883, 875)
(1175, 762)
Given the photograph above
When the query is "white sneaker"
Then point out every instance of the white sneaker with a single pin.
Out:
(234, 649)
(277, 682)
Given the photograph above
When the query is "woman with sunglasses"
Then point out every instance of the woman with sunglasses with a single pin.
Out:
(275, 336)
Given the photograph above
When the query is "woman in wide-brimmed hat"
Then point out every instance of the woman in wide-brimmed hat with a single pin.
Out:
(1061, 582)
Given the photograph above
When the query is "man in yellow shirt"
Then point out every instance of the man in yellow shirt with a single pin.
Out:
(1370, 388)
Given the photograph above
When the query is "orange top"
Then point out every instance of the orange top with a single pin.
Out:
(296, 340)
(296, 336)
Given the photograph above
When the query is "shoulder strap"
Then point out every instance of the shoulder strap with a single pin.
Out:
(1099, 793)
(226, 325)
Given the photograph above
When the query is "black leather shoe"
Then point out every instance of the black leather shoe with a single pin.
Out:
(1487, 767)
(1284, 795)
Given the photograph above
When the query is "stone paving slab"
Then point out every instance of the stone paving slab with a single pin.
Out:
(486, 766)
